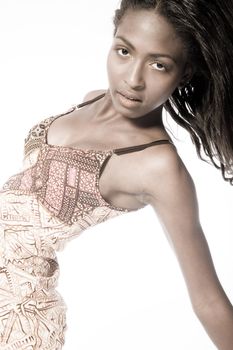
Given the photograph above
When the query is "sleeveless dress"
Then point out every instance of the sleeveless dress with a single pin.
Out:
(52, 200)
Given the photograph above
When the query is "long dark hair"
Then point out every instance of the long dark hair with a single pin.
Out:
(204, 106)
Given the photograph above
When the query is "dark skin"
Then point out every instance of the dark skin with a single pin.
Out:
(138, 67)
(110, 133)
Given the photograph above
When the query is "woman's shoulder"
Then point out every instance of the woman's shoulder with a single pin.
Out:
(62, 130)
(162, 158)
(165, 172)
(93, 94)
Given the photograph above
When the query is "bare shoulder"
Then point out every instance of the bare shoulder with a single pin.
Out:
(166, 176)
(92, 94)
(62, 131)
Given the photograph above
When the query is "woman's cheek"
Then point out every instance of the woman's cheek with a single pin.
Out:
(111, 65)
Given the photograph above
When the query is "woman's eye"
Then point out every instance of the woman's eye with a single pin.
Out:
(123, 52)
(158, 66)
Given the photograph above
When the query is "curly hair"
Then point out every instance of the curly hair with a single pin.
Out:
(204, 106)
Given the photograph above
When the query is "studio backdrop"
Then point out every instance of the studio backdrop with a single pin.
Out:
(120, 280)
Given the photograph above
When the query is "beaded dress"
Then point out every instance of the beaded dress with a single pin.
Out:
(52, 200)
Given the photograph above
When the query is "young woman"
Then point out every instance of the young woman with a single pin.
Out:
(111, 155)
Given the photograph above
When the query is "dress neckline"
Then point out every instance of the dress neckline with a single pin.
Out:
(117, 151)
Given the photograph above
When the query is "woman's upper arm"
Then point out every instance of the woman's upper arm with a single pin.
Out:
(171, 191)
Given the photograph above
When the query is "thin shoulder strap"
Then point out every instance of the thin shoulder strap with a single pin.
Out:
(124, 150)
(90, 101)
(136, 148)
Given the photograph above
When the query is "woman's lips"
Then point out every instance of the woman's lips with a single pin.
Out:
(128, 99)
(130, 96)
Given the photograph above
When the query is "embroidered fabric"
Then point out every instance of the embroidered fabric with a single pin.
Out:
(65, 181)
(53, 200)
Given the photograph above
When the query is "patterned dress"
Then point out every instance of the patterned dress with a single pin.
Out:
(54, 199)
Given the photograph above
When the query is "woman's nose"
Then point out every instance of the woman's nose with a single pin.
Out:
(134, 78)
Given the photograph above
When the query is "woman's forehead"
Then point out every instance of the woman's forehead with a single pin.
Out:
(147, 30)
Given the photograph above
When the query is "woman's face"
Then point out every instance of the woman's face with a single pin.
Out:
(146, 63)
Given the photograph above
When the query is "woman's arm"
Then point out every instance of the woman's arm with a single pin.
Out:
(170, 190)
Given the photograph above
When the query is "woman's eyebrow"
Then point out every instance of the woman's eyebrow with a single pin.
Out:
(154, 55)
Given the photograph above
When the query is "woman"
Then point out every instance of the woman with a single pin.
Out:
(112, 154)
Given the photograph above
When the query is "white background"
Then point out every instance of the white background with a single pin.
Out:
(120, 280)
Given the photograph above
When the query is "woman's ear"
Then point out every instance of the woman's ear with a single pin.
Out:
(187, 75)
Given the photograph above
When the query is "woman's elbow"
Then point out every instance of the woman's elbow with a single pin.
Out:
(210, 310)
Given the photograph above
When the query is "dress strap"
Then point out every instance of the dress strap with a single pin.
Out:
(125, 150)
(120, 151)
(90, 101)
